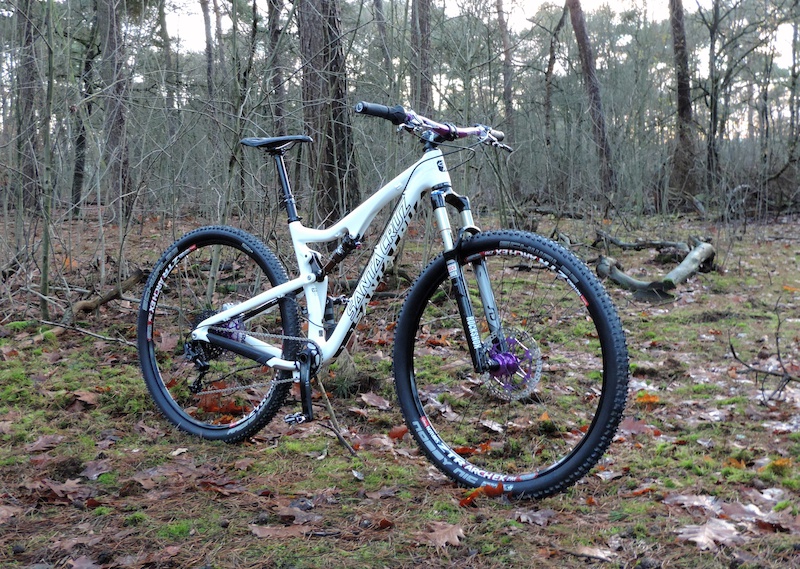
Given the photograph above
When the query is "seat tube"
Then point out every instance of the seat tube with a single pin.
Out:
(288, 197)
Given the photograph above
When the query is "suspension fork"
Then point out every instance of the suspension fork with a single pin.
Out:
(440, 197)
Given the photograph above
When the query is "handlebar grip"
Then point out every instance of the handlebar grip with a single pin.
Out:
(396, 114)
(498, 134)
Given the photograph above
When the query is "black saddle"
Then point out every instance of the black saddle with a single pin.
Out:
(275, 144)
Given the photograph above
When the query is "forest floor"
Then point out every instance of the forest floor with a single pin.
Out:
(704, 472)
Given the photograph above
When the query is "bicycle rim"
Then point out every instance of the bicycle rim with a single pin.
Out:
(545, 417)
(203, 388)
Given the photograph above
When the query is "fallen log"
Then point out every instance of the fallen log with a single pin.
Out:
(94, 304)
(701, 255)
(85, 306)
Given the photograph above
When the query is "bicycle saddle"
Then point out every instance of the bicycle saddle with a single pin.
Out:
(275, 144)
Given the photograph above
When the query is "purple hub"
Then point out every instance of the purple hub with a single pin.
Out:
(509, 364)
(510, 361)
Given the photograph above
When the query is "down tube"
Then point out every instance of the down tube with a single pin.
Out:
(379, 262)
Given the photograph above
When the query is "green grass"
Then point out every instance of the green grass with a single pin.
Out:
(201, 502)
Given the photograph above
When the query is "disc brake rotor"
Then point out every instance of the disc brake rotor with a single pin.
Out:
(520, 366)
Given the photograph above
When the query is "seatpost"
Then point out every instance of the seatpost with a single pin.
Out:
(288, 196)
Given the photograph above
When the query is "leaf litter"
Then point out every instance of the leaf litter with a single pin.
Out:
(699, 454)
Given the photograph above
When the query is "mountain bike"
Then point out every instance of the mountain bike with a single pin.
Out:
(510, 362)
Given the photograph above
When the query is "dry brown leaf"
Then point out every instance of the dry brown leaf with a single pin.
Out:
(712, 533)
(398, 432)
(83, 562)
(297, 516)
(45, 442)
(538, 517)
(243, 464)
(374, 400)
(384, 492)
(595, 553)
(630, 426)
(442, 534)
(94, 468)
(88, 397)
(693, 501)
(8, 512)
(278, 531)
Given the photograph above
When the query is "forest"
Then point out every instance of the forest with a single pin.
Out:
(635, 126)
(104, 111)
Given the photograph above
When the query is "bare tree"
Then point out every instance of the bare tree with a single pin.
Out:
(47, 166)
(508, 69)
(28, 96)
(683, 179)
(383, 41)
(548, 78)
(82, 112)
(115, 85)
(276, 70)
(421, 87)
(209, 52)
(325, 110)
(607, 175)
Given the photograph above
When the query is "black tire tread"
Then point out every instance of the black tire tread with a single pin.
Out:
(223, 235)
(605, 316)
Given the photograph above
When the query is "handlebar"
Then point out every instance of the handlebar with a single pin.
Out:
(410, 120)
(397, 114)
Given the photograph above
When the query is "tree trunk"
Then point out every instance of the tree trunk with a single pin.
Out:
(82, 112)
(383, 40)
(170, 80)
(683, 179)
(548, 79)
(334, 184)
(607, 175)
(794, 96)
(47, 165)
(701, 257)
(28, 95)
(508, 69)
(712, 153)
(115, 83)
(276, 70)
(421, 87)
(209, 53)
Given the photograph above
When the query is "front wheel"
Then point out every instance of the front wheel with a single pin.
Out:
(203, 388)
(550, 405)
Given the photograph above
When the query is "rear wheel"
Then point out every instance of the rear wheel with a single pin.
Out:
(203, 388)
(550, 407)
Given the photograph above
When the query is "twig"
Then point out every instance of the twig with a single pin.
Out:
(605, 237)
(334, 426)
(56, 326)
(784, 375)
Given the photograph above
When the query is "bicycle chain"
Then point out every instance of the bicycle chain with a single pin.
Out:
(265, 335)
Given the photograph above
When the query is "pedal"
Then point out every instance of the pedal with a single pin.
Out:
(295, 418)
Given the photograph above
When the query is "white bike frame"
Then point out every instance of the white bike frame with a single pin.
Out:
(428, 173)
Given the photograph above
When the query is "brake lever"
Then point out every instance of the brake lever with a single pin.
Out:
(502, 146)
(492, 141)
